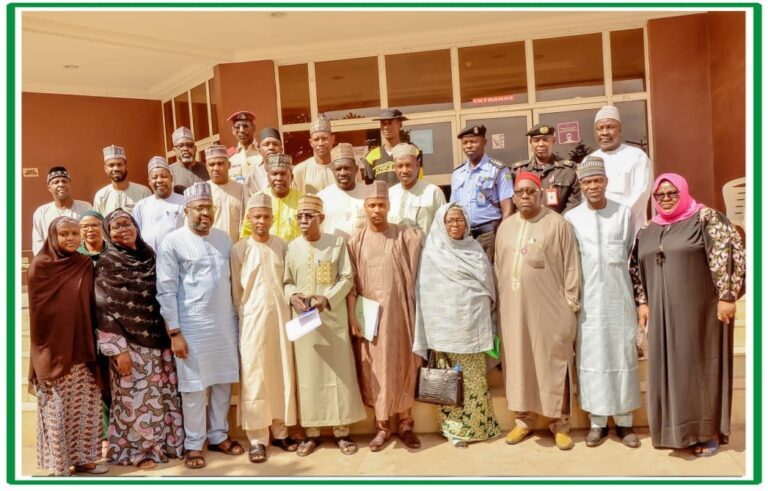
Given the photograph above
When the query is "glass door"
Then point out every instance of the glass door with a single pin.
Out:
(505, 134)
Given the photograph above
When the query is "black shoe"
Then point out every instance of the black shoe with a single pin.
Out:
(628, 436)
(596, 436)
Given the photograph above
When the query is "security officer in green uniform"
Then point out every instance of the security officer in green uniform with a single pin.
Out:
(558, 177)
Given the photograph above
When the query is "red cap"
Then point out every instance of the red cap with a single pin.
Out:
(242, 116)
(530, 176)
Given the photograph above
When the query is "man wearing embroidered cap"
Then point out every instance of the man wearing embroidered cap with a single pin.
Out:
(318, 274)
(269, 144)
(344, 211)
(483, 186)
(228, 195)
(285, 199)
(413, 202)
(561, 186)
(385, 260)
(537, 269)
(267, 375)
(244, 156)
(606, 357)
(163, 212)
(380, 163)
(120, 193)
(202, 323)
(315, 174)
(186, 170)
(628, 168)
(59, 185)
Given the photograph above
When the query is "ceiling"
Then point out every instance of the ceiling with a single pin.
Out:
(157, 53)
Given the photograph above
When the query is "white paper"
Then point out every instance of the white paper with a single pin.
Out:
(367, 314)
(303, 324)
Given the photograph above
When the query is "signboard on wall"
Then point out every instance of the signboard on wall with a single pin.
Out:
(29, 172)
(568, 132)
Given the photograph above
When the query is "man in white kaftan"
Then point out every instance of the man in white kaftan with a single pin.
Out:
(344, 200)
(163, 212)
(195, 296)
(412, 202)
(228, 195)
(606, 357)
(628, 169)
(120, 193)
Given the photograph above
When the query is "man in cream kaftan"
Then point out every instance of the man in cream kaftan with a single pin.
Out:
(537, 269)
(267, 378)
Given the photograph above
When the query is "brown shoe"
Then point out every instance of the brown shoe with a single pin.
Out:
(628, 436)
(379, 440)
(596, 436)
(410, 440)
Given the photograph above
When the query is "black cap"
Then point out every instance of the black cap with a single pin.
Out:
(476, 130)
(269, 133)
(387, 113)
(541, 129)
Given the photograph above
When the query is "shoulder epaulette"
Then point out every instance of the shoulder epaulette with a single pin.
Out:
(566, 163)
(459, 167)
(519, 164)
(499, 165)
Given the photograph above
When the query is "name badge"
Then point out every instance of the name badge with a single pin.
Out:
(551, 197)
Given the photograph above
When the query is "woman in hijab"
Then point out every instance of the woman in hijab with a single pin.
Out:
(687, 269)
(63, 372)
(145, 419)
(92, 235)
(457, 324)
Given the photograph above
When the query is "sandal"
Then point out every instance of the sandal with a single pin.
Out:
(258, 454)
(307, 447)
(288, 444)
(347, 446)
(193, 459)
(707, 449)
(146, 464)
(379, 440)
(232, 447)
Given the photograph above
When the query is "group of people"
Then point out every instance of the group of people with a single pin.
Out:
(152, 303)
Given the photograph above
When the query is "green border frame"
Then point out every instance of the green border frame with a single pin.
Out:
(12, 253)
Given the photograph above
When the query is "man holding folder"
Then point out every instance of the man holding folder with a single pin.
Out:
(385, 259)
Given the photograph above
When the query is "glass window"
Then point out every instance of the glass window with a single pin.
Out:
(181, 104)
(574, 132)
(214, 113)
(348, 89)
(200, 111)
(296, 144)
(418, 82)
(568, 67)
(294, 93)
(628, 61)
(168, 123)
(493, 75)
(634, 124)
(364, 138)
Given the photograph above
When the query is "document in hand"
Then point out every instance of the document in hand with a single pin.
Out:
(367, 314)
(303, 324)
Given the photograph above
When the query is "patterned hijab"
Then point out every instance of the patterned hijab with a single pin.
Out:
(125, 291)
(60, 302)
(686, 206)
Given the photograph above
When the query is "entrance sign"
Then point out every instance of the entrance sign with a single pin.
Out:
(568, 132)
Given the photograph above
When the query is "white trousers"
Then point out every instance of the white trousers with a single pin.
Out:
(193, 410)
(598, 421)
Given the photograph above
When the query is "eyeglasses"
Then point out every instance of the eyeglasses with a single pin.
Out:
(87, 226)
(667, 195)
(306, 216)
(526, 191)
(454, 221)
(116, 227)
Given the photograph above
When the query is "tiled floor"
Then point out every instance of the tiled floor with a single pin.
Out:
(536, 456)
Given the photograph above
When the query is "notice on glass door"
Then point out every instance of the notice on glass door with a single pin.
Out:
(423, 139)
(497, 141)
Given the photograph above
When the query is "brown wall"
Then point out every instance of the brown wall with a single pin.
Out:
(71, 131)
(248, 86)
(697, 99)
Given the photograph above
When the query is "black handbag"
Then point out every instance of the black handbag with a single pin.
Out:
(444, 386)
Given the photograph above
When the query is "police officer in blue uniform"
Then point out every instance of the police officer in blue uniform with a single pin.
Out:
(483, 186)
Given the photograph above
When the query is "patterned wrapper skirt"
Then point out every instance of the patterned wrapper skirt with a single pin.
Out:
(475, 420)
(69, 427)
(145, 418)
